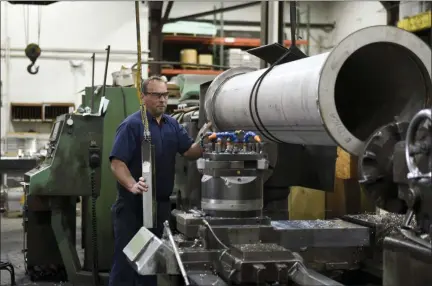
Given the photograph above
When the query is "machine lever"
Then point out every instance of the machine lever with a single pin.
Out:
(176, 253)
(308, 277)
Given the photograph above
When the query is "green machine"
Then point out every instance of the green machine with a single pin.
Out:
(62, 181)
(75, 170)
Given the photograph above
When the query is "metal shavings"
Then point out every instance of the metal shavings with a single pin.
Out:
(386, 223)
(259, 247)
(310, 224)
(179, 238)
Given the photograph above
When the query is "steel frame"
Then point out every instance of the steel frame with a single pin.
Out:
(158, 18)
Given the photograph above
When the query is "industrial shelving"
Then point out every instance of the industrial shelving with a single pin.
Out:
(174, 43)
(226, 41)
(172, 72)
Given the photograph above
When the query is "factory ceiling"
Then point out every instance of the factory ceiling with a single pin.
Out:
(33, 2)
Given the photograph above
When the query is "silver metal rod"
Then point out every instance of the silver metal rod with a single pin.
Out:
(308, 36)
(112, 59)
(93, 86)
(149, 197)
(176, 253)
(108, 50)
(335, 98)
(82, 51)
(65, 57)
(150, 62)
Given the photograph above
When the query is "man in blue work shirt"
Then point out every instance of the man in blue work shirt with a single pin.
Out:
(169, 138)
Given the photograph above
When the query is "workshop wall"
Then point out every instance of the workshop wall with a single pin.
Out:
(352, 16)
(411, 8)
(70, 32)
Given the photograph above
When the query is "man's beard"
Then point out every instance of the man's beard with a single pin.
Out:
(159, 111)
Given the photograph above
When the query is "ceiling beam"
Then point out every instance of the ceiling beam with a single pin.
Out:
(215, 11)
(32, 2)
(167, 11)
(324, 26)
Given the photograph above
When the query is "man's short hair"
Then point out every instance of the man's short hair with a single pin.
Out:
(146, 82)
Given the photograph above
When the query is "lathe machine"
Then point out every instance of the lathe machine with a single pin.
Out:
(367, 95)
(270, 129)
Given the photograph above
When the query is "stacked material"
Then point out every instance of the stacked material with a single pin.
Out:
(189, 28)
(173, 90)
(23, 146)
(239, 58)
(205, 59)
(188, 56)
(189, 85)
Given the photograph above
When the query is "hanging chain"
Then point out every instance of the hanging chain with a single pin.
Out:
(26, 24)
(26, 17)
(144, 118)
(39, 23)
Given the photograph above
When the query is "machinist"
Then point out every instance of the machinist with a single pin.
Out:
(169, 138)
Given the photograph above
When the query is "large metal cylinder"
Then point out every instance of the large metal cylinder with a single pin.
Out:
(336, 98)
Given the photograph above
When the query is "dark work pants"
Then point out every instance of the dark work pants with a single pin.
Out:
(127, 222)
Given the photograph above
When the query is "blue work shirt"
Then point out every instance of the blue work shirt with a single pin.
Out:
(168, 138)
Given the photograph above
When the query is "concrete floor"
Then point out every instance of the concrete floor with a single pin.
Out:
(11, 251)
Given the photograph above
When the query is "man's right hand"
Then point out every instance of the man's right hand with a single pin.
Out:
(139, 187)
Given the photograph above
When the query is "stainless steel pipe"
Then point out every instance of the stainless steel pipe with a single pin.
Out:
(337, 98)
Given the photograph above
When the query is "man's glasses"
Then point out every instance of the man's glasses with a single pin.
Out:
(159, 95)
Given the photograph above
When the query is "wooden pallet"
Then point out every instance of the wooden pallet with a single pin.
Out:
(205, 68)
(188, 67)
(167, 66)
